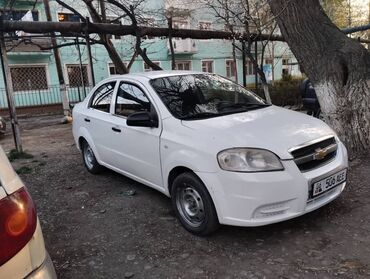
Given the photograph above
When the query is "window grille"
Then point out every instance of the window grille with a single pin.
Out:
(27, 78)
(74, 75)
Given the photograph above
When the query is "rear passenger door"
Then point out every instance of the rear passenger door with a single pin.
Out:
(98, 118)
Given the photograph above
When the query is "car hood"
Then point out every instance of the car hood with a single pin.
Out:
(272, 128)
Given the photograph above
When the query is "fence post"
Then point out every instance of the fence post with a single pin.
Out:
(9, 93)
(81, 68)
(88, 46)
(244, 64)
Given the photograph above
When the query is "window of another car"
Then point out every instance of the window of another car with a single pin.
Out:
(130, 99)
(102, 97)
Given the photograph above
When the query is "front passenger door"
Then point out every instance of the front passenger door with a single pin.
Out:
(137, 147)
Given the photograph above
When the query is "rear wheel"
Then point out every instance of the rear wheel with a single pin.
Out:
(89, 158)
(193, 205)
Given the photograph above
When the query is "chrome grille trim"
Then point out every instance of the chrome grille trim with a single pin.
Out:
(313, 154)
(311, 157)
(310, 143)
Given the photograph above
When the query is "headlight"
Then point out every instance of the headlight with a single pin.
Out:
(248, 160)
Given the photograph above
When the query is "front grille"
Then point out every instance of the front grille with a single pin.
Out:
(314, 155)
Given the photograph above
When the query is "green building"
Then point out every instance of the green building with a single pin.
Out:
(34, 73)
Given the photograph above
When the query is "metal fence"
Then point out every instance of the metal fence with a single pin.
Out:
(41, 97)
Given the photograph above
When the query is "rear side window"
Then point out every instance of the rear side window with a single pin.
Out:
(130, 99)
(102, 97)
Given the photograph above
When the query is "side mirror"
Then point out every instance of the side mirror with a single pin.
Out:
(142, 119)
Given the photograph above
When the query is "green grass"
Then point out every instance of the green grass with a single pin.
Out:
(15, 155)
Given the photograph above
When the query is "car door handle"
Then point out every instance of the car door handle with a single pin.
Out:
(116, 130)
(87, 120)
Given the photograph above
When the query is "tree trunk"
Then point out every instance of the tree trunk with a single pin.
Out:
(338, 66)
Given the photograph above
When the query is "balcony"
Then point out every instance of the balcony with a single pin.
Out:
(27, 45)
(183, 46)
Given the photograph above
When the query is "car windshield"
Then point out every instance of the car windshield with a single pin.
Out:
(198, 96)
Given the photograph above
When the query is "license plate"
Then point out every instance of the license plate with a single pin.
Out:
(329, 182)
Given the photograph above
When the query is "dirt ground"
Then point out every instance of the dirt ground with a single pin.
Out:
(94, 228)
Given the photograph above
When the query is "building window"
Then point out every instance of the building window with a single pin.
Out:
(269, 61)
(230, 68)
(207, 66)
(75, 77)
(26, 78)
(285, 72)
(205, 25)
(148, 69)
(112, 68)
(180, 24)
(285, 61)
(18, 14)
(249, 68)
(67, 17)
(183, 65)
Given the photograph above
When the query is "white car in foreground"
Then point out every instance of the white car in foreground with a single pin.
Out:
(22, 249)
(221, 153)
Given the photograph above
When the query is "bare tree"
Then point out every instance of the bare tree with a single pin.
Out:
(251, 18)
(338, 66)
(125, 9)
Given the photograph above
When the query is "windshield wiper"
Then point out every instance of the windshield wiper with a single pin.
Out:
(200, 115)
(244, 106)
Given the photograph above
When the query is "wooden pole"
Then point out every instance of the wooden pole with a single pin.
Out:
(103, 10)
(244, 64)
(58, 63)
(255, 69)
(81, 67)
(9, 94)
(88, 46)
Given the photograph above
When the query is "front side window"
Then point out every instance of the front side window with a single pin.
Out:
(102, 97)
(203, 96)
(130, 99)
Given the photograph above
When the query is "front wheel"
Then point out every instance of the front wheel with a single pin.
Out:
(193, 205)
(89, 158)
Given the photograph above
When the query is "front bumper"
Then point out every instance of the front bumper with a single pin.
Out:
(45, 271)
(256, 199)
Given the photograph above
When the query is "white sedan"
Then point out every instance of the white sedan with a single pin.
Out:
(220, 152)
(22, 249)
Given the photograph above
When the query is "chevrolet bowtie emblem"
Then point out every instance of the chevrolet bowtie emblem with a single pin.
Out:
(320, 153)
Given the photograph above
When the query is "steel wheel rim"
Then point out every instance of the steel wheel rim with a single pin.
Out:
(89, 157)
(190, 205)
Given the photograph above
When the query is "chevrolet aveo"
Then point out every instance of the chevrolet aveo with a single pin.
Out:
(220, 152)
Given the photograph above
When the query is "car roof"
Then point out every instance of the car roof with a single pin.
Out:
(158, 74)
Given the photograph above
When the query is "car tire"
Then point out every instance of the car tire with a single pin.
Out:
(193, 205)
(89, 159)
